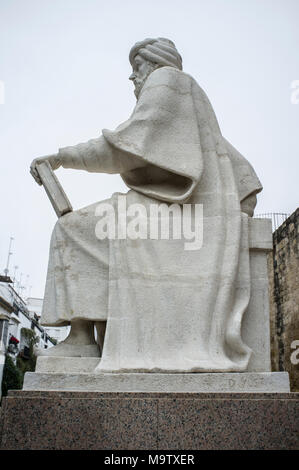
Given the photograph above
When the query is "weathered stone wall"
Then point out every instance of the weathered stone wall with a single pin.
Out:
(283, 265)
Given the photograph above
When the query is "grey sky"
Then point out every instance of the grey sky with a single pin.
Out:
(64, 64)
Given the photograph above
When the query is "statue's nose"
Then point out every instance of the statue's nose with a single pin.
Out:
(132, 76)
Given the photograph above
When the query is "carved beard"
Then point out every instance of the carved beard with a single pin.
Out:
(139, 82)
(138, 85)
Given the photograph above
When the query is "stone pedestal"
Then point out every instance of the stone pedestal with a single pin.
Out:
(65, 405)
(149, 421)
(253, 382)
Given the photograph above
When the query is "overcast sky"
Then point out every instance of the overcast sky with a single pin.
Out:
(64, 67)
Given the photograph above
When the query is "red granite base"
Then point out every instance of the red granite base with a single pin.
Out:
(149, 421)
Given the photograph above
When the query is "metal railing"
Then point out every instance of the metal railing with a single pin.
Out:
(277, 218)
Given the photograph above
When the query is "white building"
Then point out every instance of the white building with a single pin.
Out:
(6, 309)
(16, 315)
(34, 305)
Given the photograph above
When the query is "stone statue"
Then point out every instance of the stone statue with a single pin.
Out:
(157, 307)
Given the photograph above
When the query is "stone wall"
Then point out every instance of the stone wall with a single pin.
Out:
(283, 265)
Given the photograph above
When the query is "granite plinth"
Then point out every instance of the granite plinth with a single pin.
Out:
(132, 382)
(151, 421)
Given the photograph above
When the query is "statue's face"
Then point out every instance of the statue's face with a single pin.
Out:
(141, 70)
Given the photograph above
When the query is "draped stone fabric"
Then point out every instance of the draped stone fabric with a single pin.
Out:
(167, 309)
(163, 132)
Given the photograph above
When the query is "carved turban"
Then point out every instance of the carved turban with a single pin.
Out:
(161, 51)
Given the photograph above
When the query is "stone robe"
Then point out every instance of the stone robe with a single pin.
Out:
(167, 309)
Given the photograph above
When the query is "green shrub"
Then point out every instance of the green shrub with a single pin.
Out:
(27, 364)
(12, 377)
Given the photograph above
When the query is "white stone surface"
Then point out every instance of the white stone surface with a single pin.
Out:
(256, 321)
(70, 351)
(66, 365)
(260, 235)
(167, 309)
(202, 382)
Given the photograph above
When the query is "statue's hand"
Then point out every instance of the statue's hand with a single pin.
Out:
(54, 161)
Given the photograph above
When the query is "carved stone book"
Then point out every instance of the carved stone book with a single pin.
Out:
(54, 190)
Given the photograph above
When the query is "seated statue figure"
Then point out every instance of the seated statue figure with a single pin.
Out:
(156, 306)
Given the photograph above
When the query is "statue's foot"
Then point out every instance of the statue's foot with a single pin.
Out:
(65, 349)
